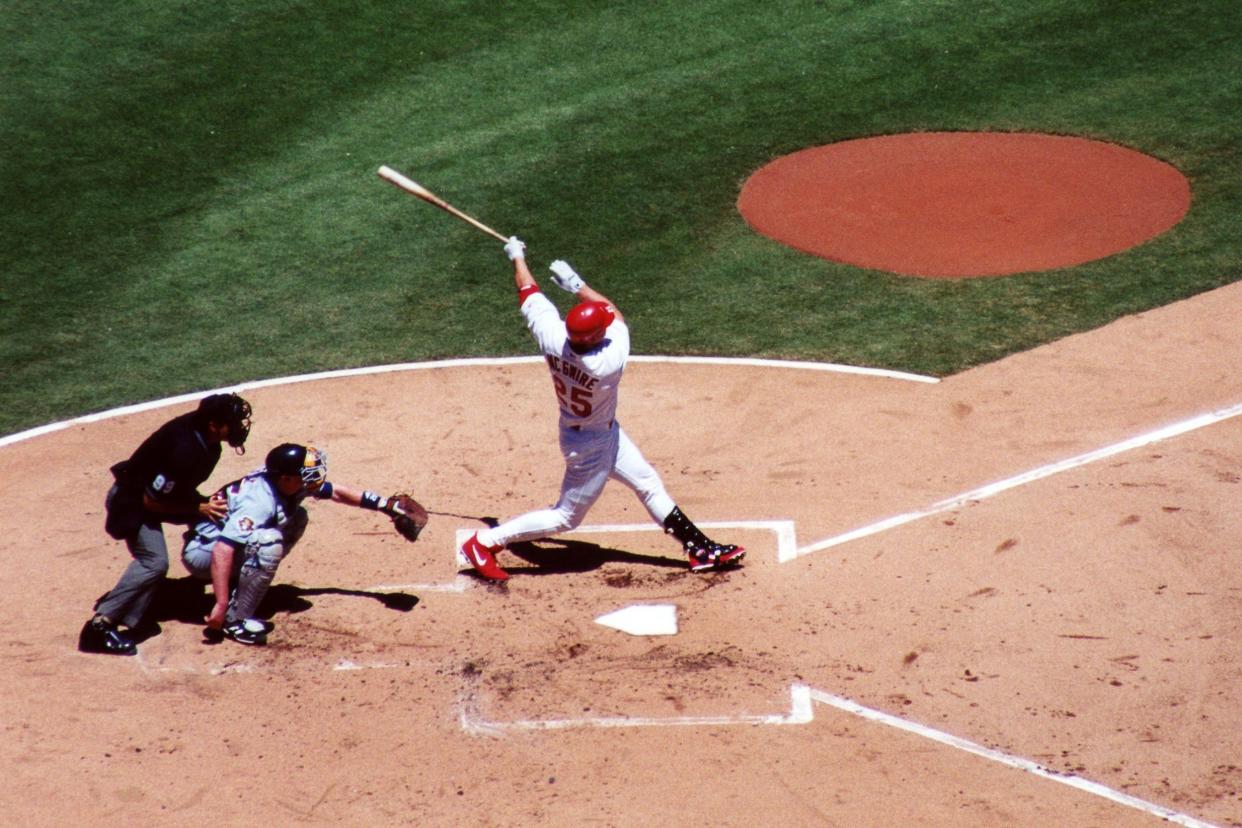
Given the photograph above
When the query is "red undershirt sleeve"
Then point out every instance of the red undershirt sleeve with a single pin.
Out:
(525, 293)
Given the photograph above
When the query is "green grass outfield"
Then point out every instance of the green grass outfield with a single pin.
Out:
(190, 198)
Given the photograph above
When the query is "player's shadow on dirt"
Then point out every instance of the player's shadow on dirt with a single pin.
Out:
(291, 599)
(187, 601)
(556, 556)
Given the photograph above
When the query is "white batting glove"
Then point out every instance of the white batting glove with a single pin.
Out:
(565, 277)
(516, 248)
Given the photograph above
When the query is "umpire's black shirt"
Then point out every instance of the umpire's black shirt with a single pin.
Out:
(169, 467)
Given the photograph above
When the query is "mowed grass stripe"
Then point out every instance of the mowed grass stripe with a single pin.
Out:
(191, 200)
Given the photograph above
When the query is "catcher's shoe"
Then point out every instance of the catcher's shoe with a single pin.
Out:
(98, 636)
(714, 556)
(483, 559)
(246, 632)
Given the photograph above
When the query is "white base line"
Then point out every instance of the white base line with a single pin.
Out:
(487, 362)
(984, 492)
(1006, 759)
(784, 363)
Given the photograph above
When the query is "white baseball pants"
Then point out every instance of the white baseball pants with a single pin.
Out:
(591, 458)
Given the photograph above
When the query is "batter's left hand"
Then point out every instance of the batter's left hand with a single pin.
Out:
(566, 278)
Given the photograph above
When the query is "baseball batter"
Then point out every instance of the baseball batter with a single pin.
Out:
(586, 355)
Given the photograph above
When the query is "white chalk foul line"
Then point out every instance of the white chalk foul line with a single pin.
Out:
(486, 362)
(1006, 759)
(992, 489)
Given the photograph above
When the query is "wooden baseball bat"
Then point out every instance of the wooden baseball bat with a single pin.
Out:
(415, 189)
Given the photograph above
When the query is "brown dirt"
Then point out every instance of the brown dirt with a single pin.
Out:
(955, 204)
(1091, 621)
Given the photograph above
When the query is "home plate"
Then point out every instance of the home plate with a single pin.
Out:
(642, 619)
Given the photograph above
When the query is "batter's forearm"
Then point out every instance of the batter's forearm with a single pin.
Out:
(521, 274)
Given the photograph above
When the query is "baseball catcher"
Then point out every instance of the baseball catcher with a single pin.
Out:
(240, 552)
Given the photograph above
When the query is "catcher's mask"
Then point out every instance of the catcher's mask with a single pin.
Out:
(587, 322)
(306, 462)
(230, 410)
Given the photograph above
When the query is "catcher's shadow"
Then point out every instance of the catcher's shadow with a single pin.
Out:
(291, 599)
(556, 556)
(187, 601)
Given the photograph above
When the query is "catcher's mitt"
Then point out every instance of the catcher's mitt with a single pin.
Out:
(408, 515)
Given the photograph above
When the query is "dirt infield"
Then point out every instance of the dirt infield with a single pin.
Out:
(1088, 621)
(957, 204)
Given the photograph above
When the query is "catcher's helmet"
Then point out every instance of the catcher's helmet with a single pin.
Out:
(230, 410)
(307, 462)
(587, 322)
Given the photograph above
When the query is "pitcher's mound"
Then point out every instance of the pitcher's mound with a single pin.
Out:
(956, 204)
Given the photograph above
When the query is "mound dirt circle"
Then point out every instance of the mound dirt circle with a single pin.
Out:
(953, 205)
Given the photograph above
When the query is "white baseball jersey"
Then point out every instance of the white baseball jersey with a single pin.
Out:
(586, 383)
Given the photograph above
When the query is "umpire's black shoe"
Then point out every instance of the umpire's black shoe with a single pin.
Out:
(98, 636)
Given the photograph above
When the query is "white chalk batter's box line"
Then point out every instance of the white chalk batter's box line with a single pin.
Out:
(801, 712)
(786, 539)
(802, 697)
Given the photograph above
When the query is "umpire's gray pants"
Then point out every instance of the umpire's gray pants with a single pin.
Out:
(127, 602)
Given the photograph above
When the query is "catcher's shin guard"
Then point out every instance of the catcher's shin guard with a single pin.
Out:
(263, 555)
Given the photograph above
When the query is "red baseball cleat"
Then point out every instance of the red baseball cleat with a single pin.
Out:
(715, 556)
(483, 559)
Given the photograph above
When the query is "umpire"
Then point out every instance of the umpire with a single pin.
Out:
(158, 485)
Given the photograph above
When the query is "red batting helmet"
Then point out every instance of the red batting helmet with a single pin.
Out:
(587, 322)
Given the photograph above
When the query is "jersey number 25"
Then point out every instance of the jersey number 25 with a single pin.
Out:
(576, 400)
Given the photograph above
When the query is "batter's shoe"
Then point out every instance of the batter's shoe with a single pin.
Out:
(246, 632)
(483, 559)
(715, 556)
(99, 636)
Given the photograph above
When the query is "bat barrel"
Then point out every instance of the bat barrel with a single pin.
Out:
(415, 189)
